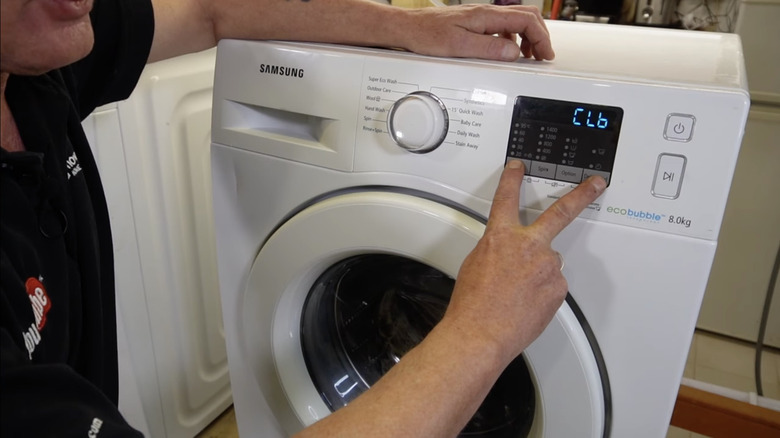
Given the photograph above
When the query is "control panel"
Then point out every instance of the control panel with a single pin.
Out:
(667, 150)
(564, 141)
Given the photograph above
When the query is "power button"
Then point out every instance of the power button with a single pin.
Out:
(679, 127)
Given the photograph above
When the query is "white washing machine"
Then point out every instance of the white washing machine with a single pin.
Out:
(349, 185)
(153, 153)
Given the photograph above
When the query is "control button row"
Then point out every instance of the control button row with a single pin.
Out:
(559, 172)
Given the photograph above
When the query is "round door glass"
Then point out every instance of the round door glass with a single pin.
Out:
(365, 312)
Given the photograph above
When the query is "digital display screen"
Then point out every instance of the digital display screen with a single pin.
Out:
(564, 141)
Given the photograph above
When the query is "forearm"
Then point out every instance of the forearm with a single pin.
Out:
(357, 22)
(483, 31)
(432, 392)
(192, 25)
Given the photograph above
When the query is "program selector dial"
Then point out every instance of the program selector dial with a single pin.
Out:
(418, 122)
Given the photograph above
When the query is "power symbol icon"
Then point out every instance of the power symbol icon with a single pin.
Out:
(679, 127)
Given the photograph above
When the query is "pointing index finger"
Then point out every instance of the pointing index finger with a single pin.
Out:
(506, 201)
(559, 215)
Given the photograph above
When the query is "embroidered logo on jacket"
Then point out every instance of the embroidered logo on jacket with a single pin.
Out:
(41, 304)
(72, 166)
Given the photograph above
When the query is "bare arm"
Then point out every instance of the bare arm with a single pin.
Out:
(183, 26)
(507, 291)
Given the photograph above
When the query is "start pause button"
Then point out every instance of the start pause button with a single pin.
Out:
(669, 172)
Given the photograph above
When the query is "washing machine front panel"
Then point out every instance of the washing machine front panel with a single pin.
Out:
(639, 290)
(568, 388)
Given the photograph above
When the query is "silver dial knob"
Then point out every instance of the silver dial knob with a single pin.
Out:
(418, 122)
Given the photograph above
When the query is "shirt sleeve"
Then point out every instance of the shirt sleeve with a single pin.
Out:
(124, 30)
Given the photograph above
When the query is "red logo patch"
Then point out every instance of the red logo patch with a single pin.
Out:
(40, 301)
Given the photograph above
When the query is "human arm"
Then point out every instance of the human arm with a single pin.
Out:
(507, 291)
(183, 26)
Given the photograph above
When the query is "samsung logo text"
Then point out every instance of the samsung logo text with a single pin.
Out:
(281, 70)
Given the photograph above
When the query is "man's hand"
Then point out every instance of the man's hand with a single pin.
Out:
(510, 285)
(480, 31)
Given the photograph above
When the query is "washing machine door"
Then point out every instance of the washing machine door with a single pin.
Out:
(345, 286)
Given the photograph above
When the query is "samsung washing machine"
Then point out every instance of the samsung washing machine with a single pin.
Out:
(350, 183)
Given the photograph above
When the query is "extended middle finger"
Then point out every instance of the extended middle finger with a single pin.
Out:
(556, 217)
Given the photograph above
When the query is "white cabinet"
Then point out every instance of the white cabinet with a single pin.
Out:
(749, 237)
(750, 234)
(758, 23)
(153, 151)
